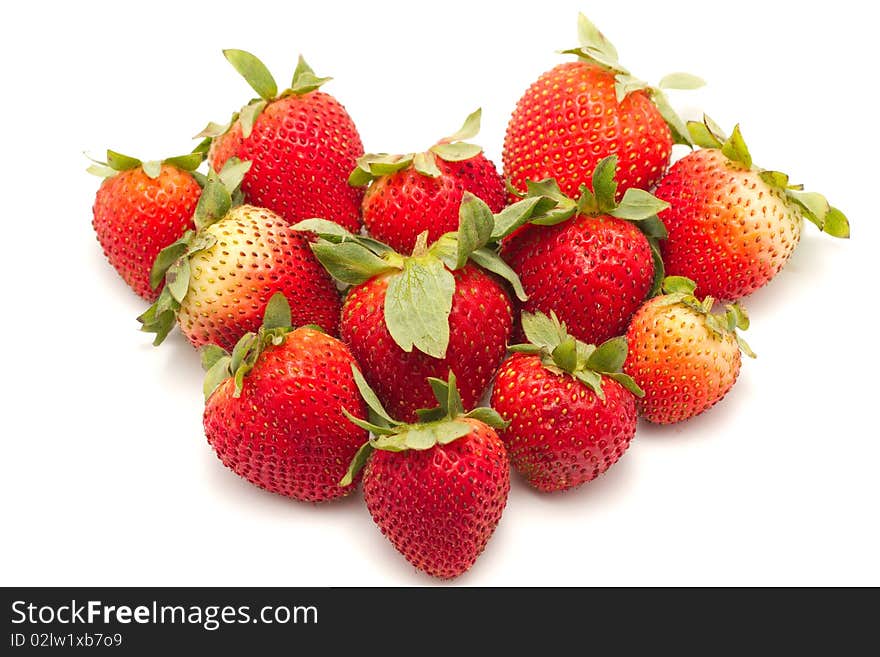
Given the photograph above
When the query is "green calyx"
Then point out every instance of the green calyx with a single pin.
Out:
(597, 49)
(814, 206)
(172, 265)
(117, 162)
(437, 426)
(421, 286)
(453, 148)
(554, 207)
(260, 79)
(220, 365)
(680, 290)
(563, 353)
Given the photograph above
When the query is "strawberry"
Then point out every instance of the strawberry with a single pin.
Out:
(412, 193)
(589, 261)
(733, 226)
(140, 208)
(219, 278)
(580, 112)
(436, 488)
(302, 144)
(681, 354)
(410, 317)
(572, 412)
(273, 407)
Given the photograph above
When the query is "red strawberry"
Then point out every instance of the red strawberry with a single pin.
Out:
(592, 267)
(682, 355)
(410, 194)
(302, 143)
(578, 113)
(733, 226)
(572, 412)
(436, 489)
(407, 318)
(219, 279)
(140, 208)
(273, 409)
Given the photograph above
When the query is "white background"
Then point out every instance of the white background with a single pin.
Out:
(107, 478)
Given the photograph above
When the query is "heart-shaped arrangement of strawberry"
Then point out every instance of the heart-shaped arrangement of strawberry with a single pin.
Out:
(353, 310)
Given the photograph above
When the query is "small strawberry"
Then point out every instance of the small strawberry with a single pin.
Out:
(219, 278)
(589, 261)
(417, 192)
(407, 318)
(580, 112)
(140, 208)
(436, 488)
(733, 226)
(302, 143)
(681, 354)
(272, 407)
(572, 412)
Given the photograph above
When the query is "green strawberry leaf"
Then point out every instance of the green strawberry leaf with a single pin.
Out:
(624, 85)
(376, 429)
(417, 306)
(233, 172)
(357, 463)
(160, 317)
(469, 129)
(488, 416)
(167, 257)
(679, 285)
(277, 313)
(491, 261)
(120, 162)
(249, 115)
(565, 354)
(702, 136)
(177, 279)
(737, 317)
(152, 168)
(520, 213)
(677, 126)
(214, 202)
(349, 262)
(360, 177)
(605, 185)
(684, 81)
(475, 224)
(425, 164)
(608, 356)
(369, 396)
(836, 224)
(638, 205)
(543, 331)
(593, 380)
(659, 267)
(213, 130)
(815, 206)
(216, 374)
(775, 179)
(735, 149)
(254, 73)
(304, 79)
(101, 170)
(627, 382)
(189, 162)
(653, 228)
(329, 230)
(456, 152)
(595, 47)
(210, 354)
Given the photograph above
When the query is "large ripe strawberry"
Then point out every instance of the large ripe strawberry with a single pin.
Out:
(572, 413)
(436, 488)
(140, 208)
(593, 261)
(219, 278)
(733, 226)
(580, 112)
(273, 408)
(684, 356)
(301, 141)
(410, 317)
(417, 192)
